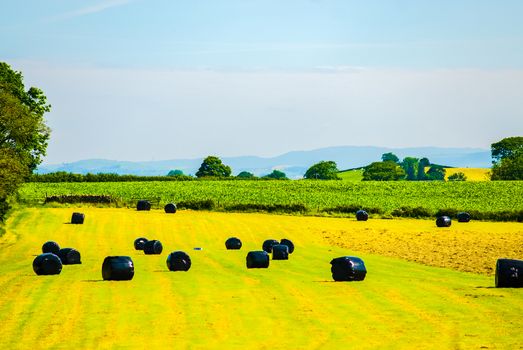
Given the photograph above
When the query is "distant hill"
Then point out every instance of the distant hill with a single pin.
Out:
(294, 164)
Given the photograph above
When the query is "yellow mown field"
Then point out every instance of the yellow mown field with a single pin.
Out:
(293, 304)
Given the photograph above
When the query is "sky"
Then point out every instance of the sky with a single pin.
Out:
(170, 79)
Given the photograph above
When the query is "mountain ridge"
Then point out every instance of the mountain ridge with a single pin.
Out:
(293, 163)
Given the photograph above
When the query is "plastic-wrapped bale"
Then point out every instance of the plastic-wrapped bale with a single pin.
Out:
(118, 268)
(51, 247)
(257, 260)
(143, 205)
(509, 273)
(443, 221)
(139, 243)
(362, 215)
(170, 208)
(178, 261)
(77, 218)
(267, 245)
(463, 217)
(153, 247)
(288, 243)
(348, 268)
(280, 252)
(69, 256)
(233, 243)
(47, 264)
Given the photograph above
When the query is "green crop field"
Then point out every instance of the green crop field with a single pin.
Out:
(485, 196)
(220, 304)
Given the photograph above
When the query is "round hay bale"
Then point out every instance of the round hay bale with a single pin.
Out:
(509, 273)
(267, 245)
(443, 221)
(139, 243)
(69, 256)
(233, 243)
(463, 217)
(348, 268)
(178, 261)
(257, 260)
(47, 264)
(77, 218)
(170, 208)
(288, 243)
(362, 215)
(118, 268)
(153, 247)
(143, 205)
(50, 247)
(280, 252)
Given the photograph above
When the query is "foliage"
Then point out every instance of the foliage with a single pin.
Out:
(389, 157)
(509, 168)
(176, 172)
(276, 175)
(23, 133)
(506, 148)
(22, 118)
(245, 175)
(436, 173)
(324, 170)
(423, 163)
(62, 176)
(213, 167)
(459, 176)
(410, 165)
(507, 156)
(383, 171)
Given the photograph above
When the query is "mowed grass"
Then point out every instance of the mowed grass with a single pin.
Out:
(219, 303)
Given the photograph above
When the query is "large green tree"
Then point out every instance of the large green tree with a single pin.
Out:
(213, 167)
(22, 124)
(423, 163)
(410, 165)
(23, 133)
(324, 170)
(383, 171)
(507, 159)
(506, 148)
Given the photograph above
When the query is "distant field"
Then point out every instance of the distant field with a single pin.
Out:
(472, 174)
(351, 175)
(487, 196)
(219, 304)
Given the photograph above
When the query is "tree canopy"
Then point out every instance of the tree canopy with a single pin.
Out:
(23, 133)
(276, 175)
(507, 159)
(213, 167)
(324, 170)
(245, 175)
(22, 125)
(383, 171)
(175, 172)
(506, 148)
(389, 157)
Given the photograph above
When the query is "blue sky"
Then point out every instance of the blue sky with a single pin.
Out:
(140, 80)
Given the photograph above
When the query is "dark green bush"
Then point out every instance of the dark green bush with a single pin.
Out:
(416, 212)
(207, 204)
